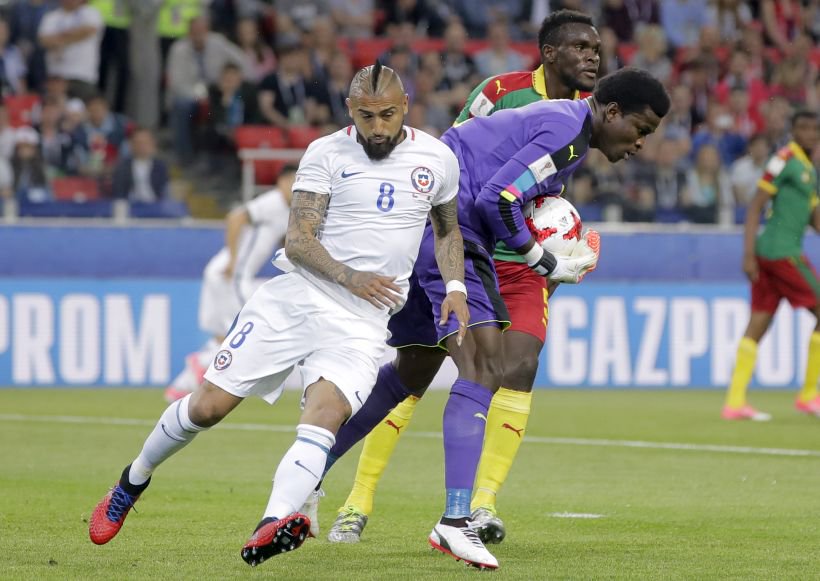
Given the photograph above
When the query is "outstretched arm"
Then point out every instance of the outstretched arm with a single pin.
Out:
(302, 246)
(450, 259)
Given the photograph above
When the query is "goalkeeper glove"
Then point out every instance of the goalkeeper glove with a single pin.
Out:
(572, 268)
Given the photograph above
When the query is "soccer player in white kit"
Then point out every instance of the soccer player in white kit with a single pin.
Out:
(361, 199)
(252, 233)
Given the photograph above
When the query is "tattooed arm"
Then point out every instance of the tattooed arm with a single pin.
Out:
(449, 243)
(303, 248)
(450, 259)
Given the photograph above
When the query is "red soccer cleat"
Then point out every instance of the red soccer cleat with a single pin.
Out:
(811, 407)
(273, 537)
(109, 515)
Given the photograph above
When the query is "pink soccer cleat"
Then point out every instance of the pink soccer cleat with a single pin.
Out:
(811, 407)
(746, 412)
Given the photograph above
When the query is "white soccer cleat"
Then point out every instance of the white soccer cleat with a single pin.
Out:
(311, 510)
(463, 544)
(489, 527)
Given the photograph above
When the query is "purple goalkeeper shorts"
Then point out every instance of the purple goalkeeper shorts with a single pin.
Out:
(417, 322)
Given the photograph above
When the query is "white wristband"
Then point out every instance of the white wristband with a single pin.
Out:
(456, 285)
(533, 255)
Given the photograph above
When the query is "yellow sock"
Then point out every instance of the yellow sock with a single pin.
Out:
(378, 447)
(744, 367)
(809, 391)
(506, 422)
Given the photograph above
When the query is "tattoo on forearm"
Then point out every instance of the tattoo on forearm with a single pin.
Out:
(302, 243)
(449, 242)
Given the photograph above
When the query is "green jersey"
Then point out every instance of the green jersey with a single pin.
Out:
(505, 91)
(791, 179)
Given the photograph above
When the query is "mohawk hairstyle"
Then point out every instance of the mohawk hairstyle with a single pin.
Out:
(552, 24)
(373, 80)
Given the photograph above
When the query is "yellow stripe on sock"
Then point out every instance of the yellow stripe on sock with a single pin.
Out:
(742, 375)
(809, 391)
(506, 424)
(378, 447)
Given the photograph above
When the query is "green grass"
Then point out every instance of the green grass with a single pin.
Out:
(669, 514)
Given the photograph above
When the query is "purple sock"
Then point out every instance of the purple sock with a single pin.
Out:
(465, 417)
(388, 392)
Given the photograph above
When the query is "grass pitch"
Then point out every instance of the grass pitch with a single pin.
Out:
(744, 509)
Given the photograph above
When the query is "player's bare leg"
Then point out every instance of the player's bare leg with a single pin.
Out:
(465, 415)
(282, 528)
(413, 370)
(736, 407)
(177, 427)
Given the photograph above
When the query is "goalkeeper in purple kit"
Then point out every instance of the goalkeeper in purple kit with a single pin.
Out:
(506, 160)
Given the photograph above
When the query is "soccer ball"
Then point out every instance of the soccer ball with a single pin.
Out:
(554, 223)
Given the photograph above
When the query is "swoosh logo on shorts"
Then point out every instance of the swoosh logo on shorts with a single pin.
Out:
(359, 398)
(480, 416)
(347, 175)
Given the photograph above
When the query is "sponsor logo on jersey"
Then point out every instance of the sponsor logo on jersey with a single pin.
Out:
(498, 88)
(572, 154)
(542, 168)
(423, 180)
(481, 106)
(223, 360)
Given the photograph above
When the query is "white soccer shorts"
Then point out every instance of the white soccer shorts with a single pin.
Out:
(288, 322)
(220, 298)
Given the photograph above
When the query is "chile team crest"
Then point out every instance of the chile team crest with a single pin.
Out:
(222, 360)
(423, 180)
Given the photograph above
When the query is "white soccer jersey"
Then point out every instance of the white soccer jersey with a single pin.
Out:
(377, 210)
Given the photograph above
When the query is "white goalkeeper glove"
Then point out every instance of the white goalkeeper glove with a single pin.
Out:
(572, 268)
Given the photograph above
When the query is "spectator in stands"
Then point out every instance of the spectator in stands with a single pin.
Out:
(610, 59)
(62, 153)
(741, 76)
(74, 115)
(459, 67)
(354, 18)
(759, 65)
(682, 21)
(478, 16)
(747, 171)
(7, 134)
(141, 176)
(782, 20)
(719, 131)
(791, 79)
(651, 53)
(438, 110)
(232, 103)
(662, 178)
(321, 44)
(707, 187)
(401, 37)
(71, 36)
(30, 179)
(300, 12)
(283, 95)
(730, 17)
(6, 179)
(106, 128)
(114, 51)
(13, 69)
(777, 113)
(24, 21)
(338, 86)
(499, 57)
(697, 76)
(423, 15)
(259, 57)
(625, 16)
(194, 63)
(738, 106)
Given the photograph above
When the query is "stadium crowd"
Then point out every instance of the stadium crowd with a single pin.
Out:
(90, 87)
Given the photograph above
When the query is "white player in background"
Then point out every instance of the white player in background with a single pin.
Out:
(361, 200)
(252, 233)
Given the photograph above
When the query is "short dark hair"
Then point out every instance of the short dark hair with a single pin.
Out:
(289, 167)
(550, 27)
(633, 90)
(803, 114)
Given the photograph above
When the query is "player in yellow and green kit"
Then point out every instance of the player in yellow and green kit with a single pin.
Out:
(776, 266)
(569, 46)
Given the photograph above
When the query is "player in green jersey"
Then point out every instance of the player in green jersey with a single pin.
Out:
(776, 266)
(569, 46)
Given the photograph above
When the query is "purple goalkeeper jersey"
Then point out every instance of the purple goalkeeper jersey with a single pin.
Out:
(509, 158)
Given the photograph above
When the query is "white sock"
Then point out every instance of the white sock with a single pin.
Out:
(299, 471)
(172, 433)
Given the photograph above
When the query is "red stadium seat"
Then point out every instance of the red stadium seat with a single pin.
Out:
(75, 189)
(19, 108)
(262, 137)
(300, 136)
(366, 50)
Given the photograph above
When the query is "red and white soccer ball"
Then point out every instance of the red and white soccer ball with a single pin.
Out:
(555, 224)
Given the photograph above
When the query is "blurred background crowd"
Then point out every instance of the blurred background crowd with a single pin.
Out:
(149, 100)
